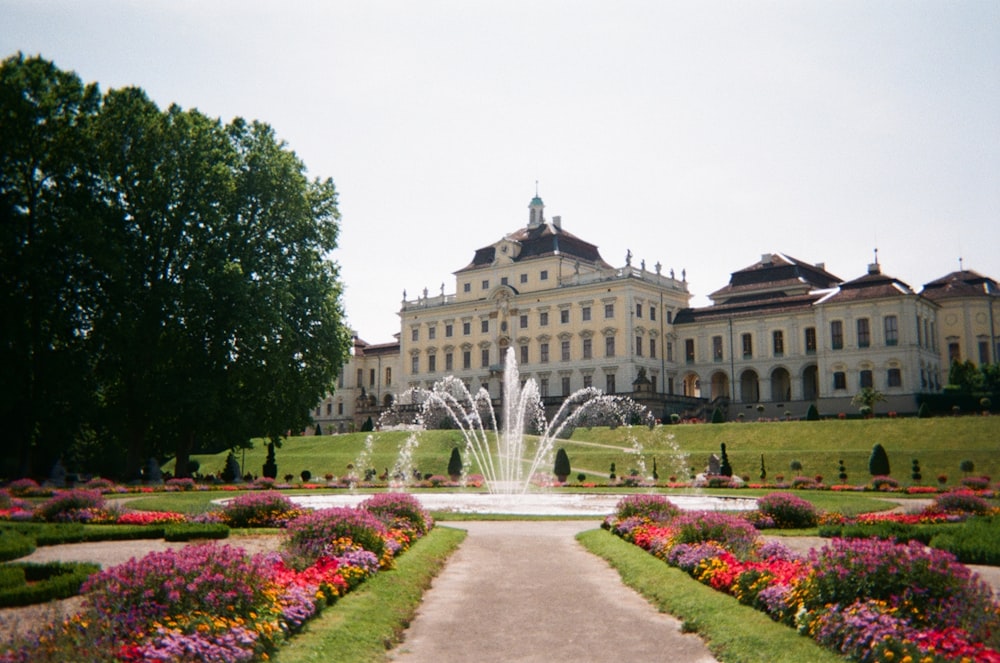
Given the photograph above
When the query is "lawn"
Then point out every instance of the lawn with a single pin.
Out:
(938, 444)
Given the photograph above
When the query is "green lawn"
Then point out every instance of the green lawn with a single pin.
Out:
(939, 444)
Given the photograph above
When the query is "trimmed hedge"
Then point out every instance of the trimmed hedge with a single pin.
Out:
(976, 541)
(54, 580)
(191, 531)
(14, 544)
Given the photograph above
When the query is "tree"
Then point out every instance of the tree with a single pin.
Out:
(812, 414)
(455, 464)
(878, 462)
(561, 468)
(867, 398)
(718, 417)
(966, 376)
(47, 282)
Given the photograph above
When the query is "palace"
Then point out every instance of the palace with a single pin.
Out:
(781, 335)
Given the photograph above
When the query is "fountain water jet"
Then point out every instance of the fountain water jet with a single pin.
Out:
(502, 451)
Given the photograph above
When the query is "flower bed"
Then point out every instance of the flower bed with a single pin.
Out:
(870, 600)
(212, 602)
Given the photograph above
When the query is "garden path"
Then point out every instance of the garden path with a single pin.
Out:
(528, 591)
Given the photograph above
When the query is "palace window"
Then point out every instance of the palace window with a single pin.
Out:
(564, 316)
(609, 310)
(609, 346)
(485, 358)
(717, 348)
(610, 381)
(866, 379)
(864, 333)
(778, 342)
(466, 360)
(564, 349)
(449, 363)
(449, 330)
(523, 321)
(486, 284)
(894, 378)
(543, 318)
(524, 354)
(431, 363)
(638, 310)
(638, 346)
(652, 348)
(588, 349)
(565, 386)
(544, 351)
(689, 350)
(544, 276)
(415, 334)
(747, 340)
(840, 380)
(586, 314)
(810, 340)
(415, 364)
(484, 326)
(891, 324)
(837, 334)
(431, 333)
(466, 328)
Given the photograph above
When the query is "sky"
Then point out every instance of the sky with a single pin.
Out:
(698, 134)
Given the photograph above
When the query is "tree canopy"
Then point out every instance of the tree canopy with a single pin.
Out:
(166, 284)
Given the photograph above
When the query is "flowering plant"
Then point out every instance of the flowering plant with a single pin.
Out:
(266, 509)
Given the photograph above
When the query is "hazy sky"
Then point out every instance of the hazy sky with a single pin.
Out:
(698, 134)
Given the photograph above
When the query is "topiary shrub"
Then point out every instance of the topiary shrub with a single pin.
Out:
(788, 511)
(455, 464)
(923, 412)
(561, 468)
(306, 476)
(812, 414)
(718, 417)
(878, 462)
(725, 469)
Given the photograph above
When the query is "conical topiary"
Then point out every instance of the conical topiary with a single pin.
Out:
(878, 462)
(455, 464)
(561, 468)
(725, 469)
(812, 414)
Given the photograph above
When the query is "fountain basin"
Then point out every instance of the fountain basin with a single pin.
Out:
(531, 504)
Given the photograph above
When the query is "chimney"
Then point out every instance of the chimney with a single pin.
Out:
(557, 222)
(821, 265)
(874, 268)
(765, 259)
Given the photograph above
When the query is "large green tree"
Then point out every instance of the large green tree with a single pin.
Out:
(209, 311)
(47, 279)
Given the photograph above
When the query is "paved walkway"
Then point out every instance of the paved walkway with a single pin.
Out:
(527, 591)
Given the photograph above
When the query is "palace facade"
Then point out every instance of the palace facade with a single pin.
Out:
(781, 335)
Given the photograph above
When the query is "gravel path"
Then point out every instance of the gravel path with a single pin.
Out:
(528, 591)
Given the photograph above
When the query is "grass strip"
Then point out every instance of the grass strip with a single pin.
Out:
(734, 633)
(366, 623)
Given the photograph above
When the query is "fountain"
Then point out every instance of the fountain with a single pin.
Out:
(505, 456)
